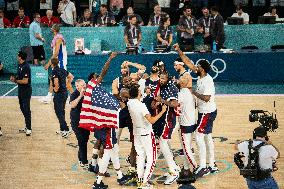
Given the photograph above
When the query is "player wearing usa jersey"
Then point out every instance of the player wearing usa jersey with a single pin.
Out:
(187, 123)
(207, 112)
(168, 96)
(144, 139)
(106, 135)
(58, 46)
(183, 74)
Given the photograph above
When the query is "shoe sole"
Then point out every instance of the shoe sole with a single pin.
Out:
(171, 182)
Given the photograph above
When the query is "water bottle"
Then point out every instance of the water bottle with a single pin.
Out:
(140, 48)
(214, 48)
(152, 47)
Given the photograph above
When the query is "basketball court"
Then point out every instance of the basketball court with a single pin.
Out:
(46, 160)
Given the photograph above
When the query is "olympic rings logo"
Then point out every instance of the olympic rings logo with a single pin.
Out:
(214, 67)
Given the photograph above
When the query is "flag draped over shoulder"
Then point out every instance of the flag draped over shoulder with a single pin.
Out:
(99, 108)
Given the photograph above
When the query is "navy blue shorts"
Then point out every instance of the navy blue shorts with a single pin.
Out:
(205, 122)
(107, 136)
(170, 124)
(188, 129)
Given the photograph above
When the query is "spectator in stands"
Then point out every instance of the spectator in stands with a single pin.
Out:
(130, 12)
(116, 6)
(165, 32)
(49, 19)
(86, 20)
(44, 6)
(204, 27)
(241, 2)
(4, 22)
(217, 28)
(12, 8)
(132, 33)
(1, 68)
(155, 18)
(21, 21)
(186, 28)
(240, 14)
(200, 3)
(105, 18)
(37, 40)
(272, 12)
(2, 4)
(164, 3)
(184, 3)
(67, 11)
(94, 6)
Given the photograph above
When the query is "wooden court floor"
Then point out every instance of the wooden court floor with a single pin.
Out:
(45, 160)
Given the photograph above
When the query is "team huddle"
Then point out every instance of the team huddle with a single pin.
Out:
(152, 108)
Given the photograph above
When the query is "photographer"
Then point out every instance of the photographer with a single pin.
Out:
(267, 153)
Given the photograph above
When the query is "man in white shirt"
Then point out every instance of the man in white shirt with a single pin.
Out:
(268, 153)
(144, 139)
(240, 14)
(68, 15)
(187, 122)
(272, 12)
(207, 113)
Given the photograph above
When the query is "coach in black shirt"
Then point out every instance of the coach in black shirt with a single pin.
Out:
(58, 78)
(82, 135)
(23, 79)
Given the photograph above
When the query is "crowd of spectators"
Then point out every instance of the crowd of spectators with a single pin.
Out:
(15, 13)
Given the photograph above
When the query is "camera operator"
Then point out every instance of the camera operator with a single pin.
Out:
(267, 154)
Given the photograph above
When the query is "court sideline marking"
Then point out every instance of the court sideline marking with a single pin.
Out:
(9, 91)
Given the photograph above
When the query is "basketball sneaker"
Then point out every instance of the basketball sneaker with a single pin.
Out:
(213, 169)
(200, 172)
(100, 186)
(47, 99)
(124, 179)
(28, 132)
(171, 178)
(24, 130)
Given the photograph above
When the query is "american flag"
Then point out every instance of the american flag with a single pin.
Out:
(99, 108)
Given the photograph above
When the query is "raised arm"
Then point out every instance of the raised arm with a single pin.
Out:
(185, 59)
(106, 67)
(136, 65)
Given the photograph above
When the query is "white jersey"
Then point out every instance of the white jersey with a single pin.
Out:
(138, 110)
(267, 154)
(205, 86)
(187, 105)
(62, 56)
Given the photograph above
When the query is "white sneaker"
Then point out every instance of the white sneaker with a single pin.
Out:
(59, 132)
(65, 134)
(147, 186)
(46, 99)
(178, 169)
(28, 132)
(24, 130)
(171, 178)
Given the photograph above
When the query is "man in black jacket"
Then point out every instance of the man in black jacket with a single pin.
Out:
(217, 30)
